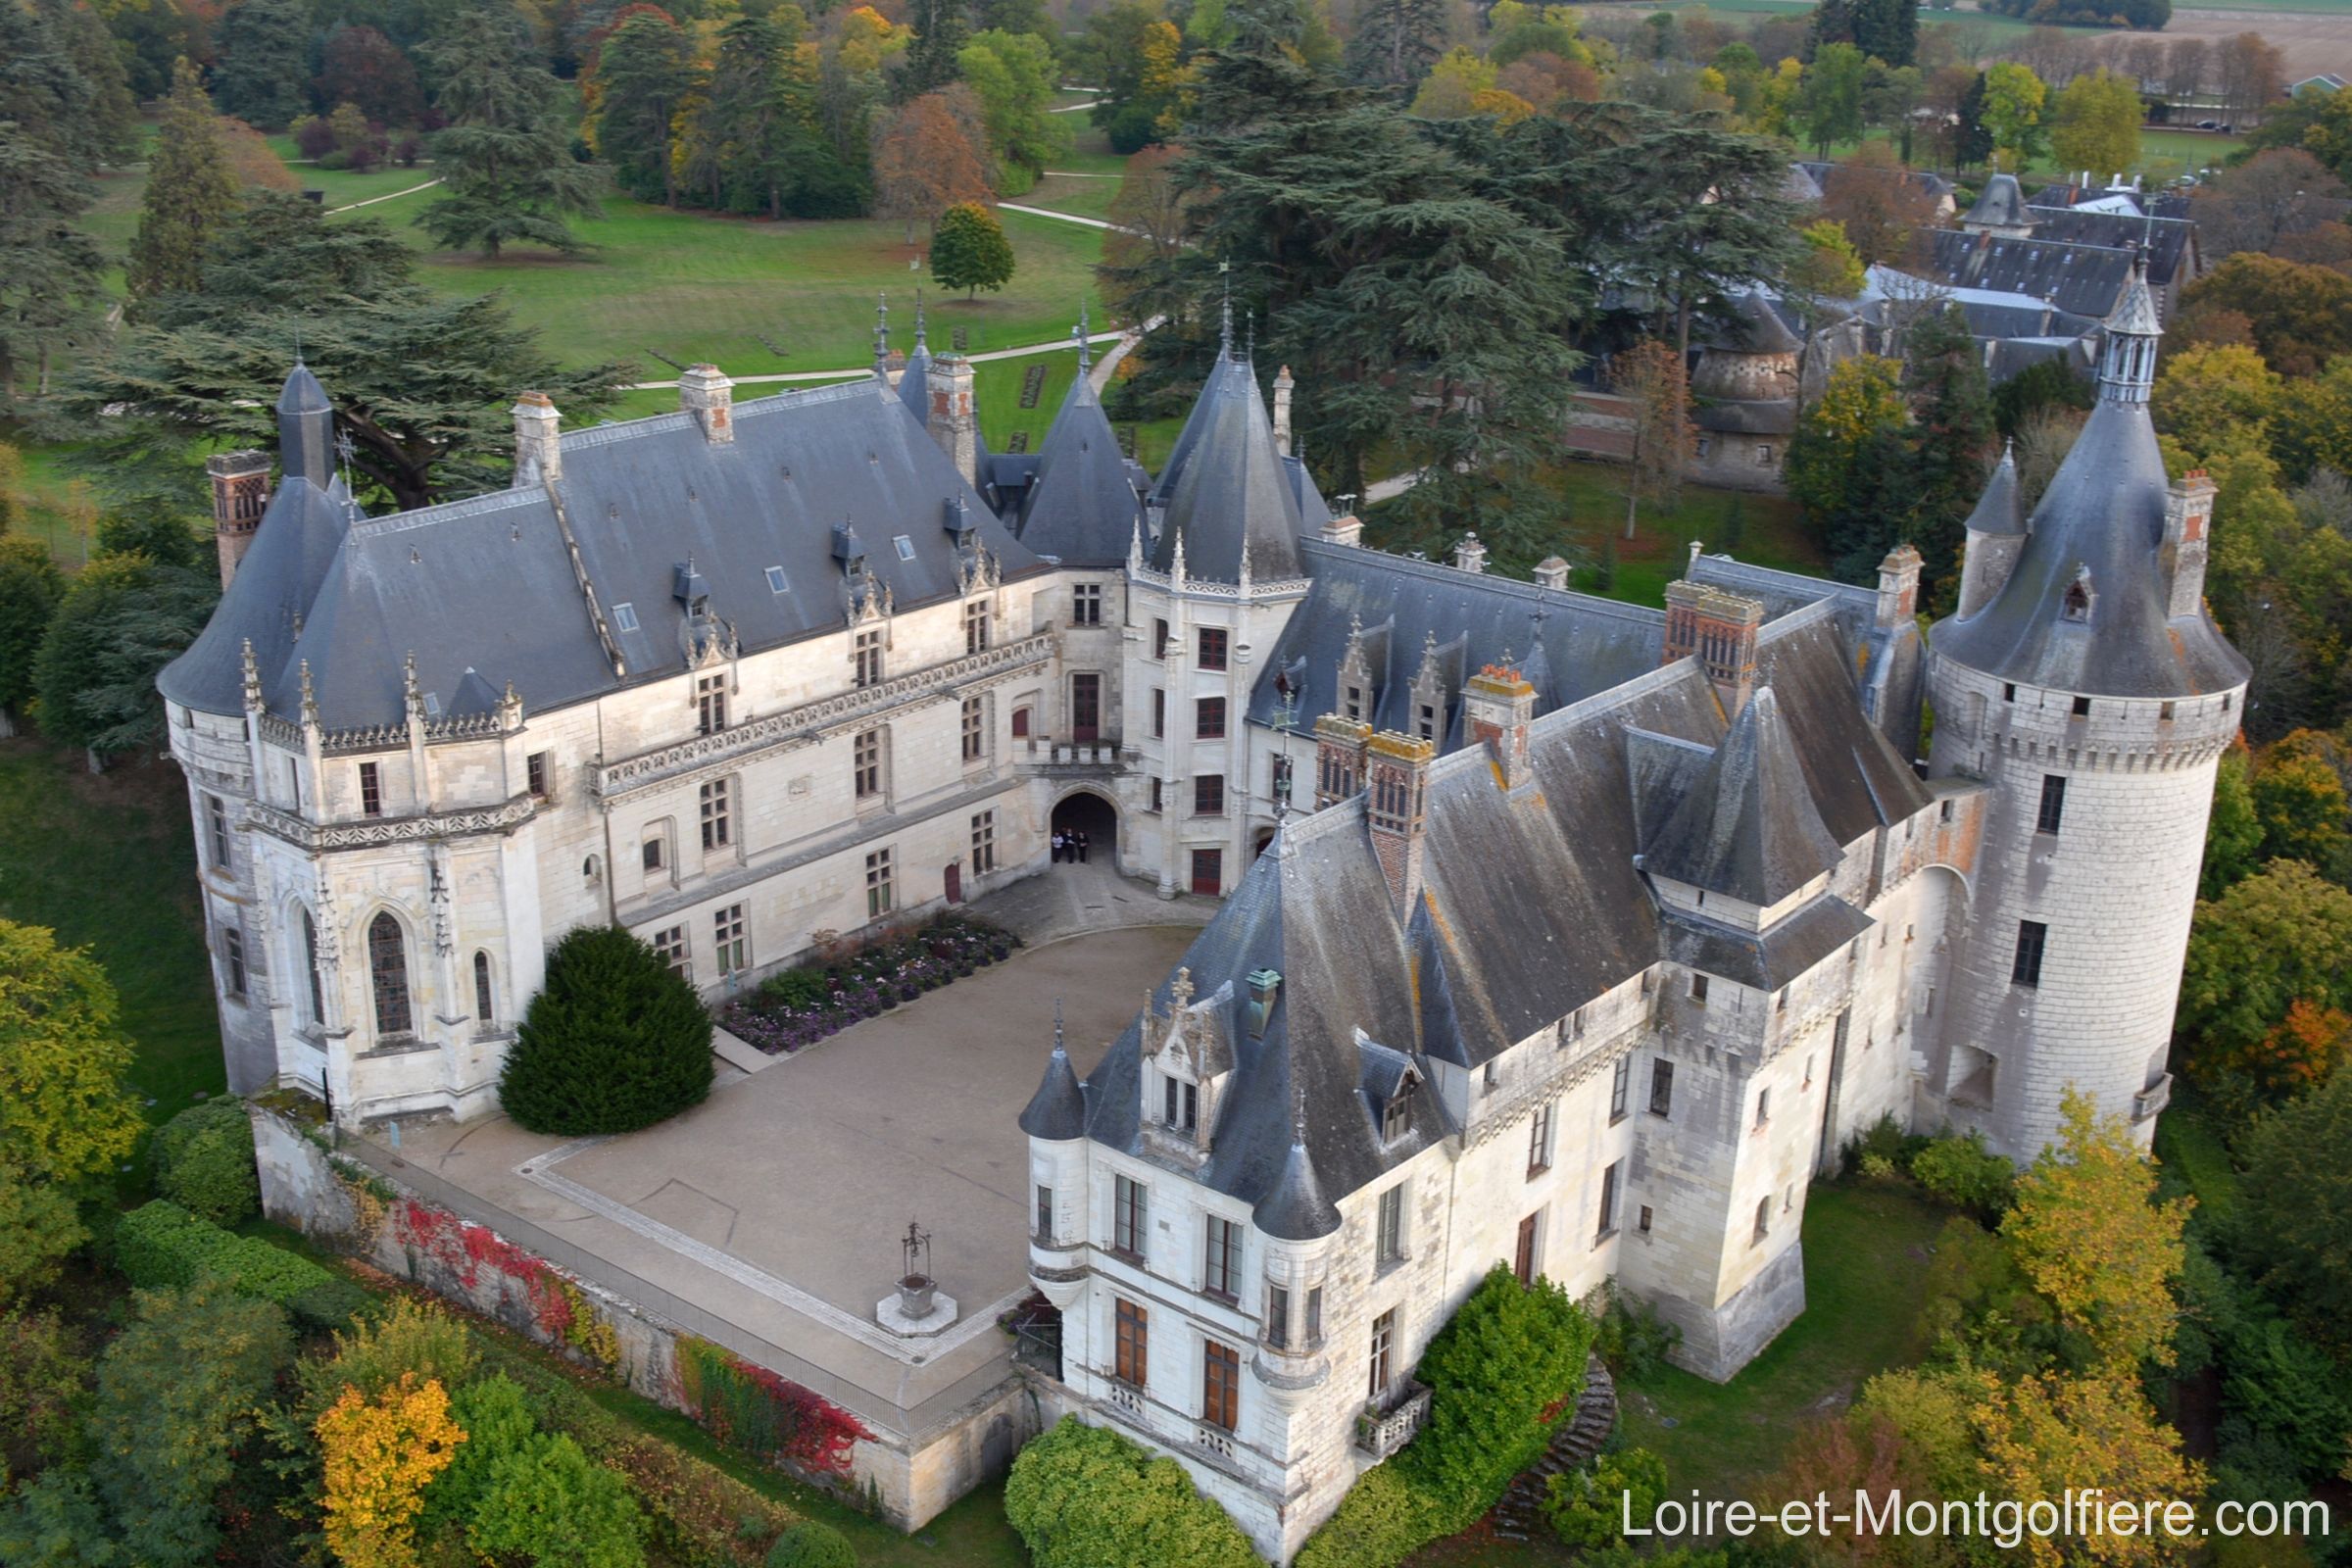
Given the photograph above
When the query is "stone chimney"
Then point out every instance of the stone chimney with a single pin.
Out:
(1397, 790)
(1719, 631)
(1282, 410)
(2187, 520)
(1551, 572)
(1898, 587)
(1497, 706)
(705, 392)
(1469, 555)
(1265, 985)
(240, 495)
(538, 440)
(1339, 758)
(952, 420)
(1344, 530)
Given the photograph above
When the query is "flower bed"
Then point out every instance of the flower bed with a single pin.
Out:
(801, 1006)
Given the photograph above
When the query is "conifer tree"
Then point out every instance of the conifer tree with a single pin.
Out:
(30, 586)
(969, 250)
(643, 73)
(1951, 443)
(51, 272)
(120, 622)
(1396, 42)
(615, 1041)
(942, 27)
(110, 114)
(189, 191)
(506, 158)
(264, 71)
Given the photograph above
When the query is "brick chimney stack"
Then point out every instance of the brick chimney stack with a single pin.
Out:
(705, 392)
(1497, 706)
(240, 495)
(538, 440)
(953, 422)
(1718, 630)
(2187, 520)
(1397, 785)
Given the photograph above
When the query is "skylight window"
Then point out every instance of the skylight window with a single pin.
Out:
(776, 580)
(625, 617)
(906, 547)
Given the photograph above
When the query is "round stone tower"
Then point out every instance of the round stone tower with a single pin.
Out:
(2085, 686)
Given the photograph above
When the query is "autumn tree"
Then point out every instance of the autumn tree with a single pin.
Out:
(2299, 800)
(2090, 1235)
(188, 193)
(506, 161)
(642, 75)
(379, 1454)
(2011, 114)
(359, 66)
(2279, 936)
(66, 1120)
(2211, 397)
(1847, 463)
(1881, 208)
(969, 250)
(1451, 89)
(2269, 198)
(1650, 376)
(1149, 220)
(2300, 316)
(2095, 124)
(928, 157)
(2051, 1434)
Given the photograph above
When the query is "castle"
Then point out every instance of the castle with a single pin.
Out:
(1556, 932)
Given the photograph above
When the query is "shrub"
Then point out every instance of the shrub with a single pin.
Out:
(1632, 1337)
(161, 1245)
(1085, 1496)
(204, 1162)
(1588, 1508)
(811, 1543)
(613, 1042)
(549, 1503)
(1962, 1172)
(498, 1422)
(1884, 1148)
(313, 137)
(1381, 1520)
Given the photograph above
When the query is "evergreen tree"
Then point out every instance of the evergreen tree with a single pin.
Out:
(644, 71)
(506, 158)
(206, 368)
(51, 272)
(1397, 41)
(1951, 443)
(942, 27)
(124, 618)
(969, 250)
(615, 1041)
(30, 586)
(189, 191)
(750, 140)
(110, 114)
(1973, 143)
(1848, 466)
(264, 68)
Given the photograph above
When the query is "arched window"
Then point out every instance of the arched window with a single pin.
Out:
(484, 1004)
(388, 972)
(310, 960)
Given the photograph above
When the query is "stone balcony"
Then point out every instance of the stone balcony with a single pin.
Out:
(1382, 1433)
(1079, 759)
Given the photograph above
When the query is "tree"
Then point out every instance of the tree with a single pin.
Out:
(2012, 112)
(811, 1543)
(109, 115)
(642, 73)
(51, 272)
(2299, 1159)
(1012, 75)
(1397, 41)
(1453, 85)
(1149, 218)
(613, 1042)
(2300, 316)
(1830, 103)
(30, 586)
(941, 27)
(2212, 397)
(506, 158)
(2096, 125)
(2050, 1435)
(929, 157)
(263, 68)
(496, 1416)
(1881, 208)
(747, 140)
(178, 1393)
(2089, 1234)
(204, 1162)
(360, 67)
(120, 621)
(1650, 376)
(549, 1503)
(379, 1456)
(1083, 1495)
(42, 1370)
(969, 250)
(189, 192)
(2299, 800)
(2232, 832)
(1951, 441)
(207, 369)
(1846, 464)
(2268, 198)
(2279, 936)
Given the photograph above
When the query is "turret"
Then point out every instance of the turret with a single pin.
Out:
(1994, 533)
(305, 428)
(1055, 1121)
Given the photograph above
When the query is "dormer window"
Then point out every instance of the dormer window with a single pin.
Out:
(1396, 1116)
(2077, 604)
(1181, 1108)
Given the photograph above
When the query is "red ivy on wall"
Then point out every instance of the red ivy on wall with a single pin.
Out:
(766, 1415)
(465, 1249)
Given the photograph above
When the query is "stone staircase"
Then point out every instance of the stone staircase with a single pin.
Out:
(1520, 1513)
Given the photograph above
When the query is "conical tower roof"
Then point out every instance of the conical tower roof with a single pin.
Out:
(1057, 1112)
(2000, 205)
(1082, 508)
(1999, 510)
(1225, 490)
(1747, 827)
(1296, 1209)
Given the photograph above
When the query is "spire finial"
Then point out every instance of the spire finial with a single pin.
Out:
(1057, 1046)
(298, 344)
(1225, 330)
(882, 332)
(1086, 351)
(922, 342)
(1250, 342)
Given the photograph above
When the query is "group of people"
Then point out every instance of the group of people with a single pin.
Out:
(1070, 846)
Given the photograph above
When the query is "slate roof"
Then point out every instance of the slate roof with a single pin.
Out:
(1586, 645)
(640, 498)
(1754, 328)
(1745, 415)
(2084, 280)
(1532, 906)
(1083, 506)
(2164, 241)
(306, 427)
(1998, 510)
(275, 585)
(1227, 490)
(2103, 512)
(2000, 204)
(1057, 1112)
(1745, 826)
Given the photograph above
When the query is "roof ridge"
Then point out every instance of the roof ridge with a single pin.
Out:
(1516, 587)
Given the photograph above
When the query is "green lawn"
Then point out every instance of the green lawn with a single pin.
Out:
(108, 862)
(1088, 195)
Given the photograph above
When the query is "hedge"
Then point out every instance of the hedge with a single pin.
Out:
(204, 1162)
(615, 1041)
(1503, 1374)
(161, 1245)
(811, 1543)
(1085, 1496)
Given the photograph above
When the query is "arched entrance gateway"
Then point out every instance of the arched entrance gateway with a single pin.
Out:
(1085, 811)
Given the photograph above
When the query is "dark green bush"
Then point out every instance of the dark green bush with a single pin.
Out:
(1632, 1337)
(161, 1245)
(1085, 1496)
(1962, 1172)
(1588, 1508)
(331, 1304)
(204, 1162)
(1883, 1150)
(811, 1543)
(1382, 1521)
(613, 1042)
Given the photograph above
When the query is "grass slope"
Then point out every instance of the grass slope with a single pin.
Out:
(108, 862)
